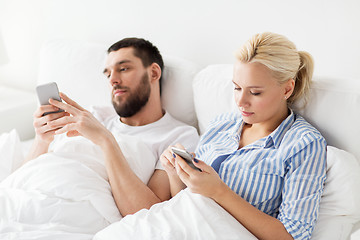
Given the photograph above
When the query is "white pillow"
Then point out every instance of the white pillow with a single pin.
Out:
(213, 93)
(77, 68)
(333, 108)
(340, 203)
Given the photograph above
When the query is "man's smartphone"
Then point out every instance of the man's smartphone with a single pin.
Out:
(47, 91)
(185, 155)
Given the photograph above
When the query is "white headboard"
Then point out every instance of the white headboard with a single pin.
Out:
(202, 31)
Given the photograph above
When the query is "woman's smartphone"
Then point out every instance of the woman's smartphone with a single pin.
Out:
(47, 91)
(185, 155)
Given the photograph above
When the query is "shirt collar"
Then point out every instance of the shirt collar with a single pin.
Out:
(278, 134)
(273, 139)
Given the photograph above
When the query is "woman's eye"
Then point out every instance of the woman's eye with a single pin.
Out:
(255, 93)
(237, 88)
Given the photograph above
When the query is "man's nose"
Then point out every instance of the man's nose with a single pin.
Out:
(114, 79)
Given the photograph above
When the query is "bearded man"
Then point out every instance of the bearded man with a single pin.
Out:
(134, 69)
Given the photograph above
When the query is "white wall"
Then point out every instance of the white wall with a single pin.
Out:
(204, 31)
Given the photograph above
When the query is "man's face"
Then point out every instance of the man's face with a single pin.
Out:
(129, 81)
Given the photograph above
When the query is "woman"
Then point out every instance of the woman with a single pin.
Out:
(265, 165)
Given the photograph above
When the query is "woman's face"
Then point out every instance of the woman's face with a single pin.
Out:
(260, 98)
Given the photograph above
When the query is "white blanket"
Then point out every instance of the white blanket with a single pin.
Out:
(66, 194)
(186, 216)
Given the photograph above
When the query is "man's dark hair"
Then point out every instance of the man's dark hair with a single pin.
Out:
(143, 49)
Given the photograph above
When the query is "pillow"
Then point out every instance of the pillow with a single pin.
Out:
(333, 108)
(77, 68)
(213, 93)
(11, 153)
(340, 203)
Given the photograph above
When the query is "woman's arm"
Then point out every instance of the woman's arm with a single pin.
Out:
(208, 183)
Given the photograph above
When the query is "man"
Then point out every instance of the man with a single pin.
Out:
(134, 68)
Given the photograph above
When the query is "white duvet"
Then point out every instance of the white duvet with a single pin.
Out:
(65, 194)
(187, 216)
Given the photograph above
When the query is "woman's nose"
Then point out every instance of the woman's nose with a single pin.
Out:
(241, 100)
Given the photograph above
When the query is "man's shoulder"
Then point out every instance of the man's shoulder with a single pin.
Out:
(170, 122)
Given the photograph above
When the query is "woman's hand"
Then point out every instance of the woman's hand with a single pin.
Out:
(167, 160)
(207, 182)
(79, 122)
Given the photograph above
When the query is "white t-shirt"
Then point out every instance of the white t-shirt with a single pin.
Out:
(141, 145)
(157, 135)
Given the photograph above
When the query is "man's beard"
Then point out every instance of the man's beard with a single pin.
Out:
(137, 99)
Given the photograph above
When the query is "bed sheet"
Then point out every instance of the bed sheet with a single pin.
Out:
(65, 194)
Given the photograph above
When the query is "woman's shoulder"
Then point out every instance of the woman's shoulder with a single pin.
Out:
(302, 130)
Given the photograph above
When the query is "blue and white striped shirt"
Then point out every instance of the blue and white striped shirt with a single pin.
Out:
(282, 174)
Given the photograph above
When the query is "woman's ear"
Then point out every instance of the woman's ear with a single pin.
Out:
(289, 88)
(155, 73)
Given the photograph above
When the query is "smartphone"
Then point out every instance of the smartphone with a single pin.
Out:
(186, 156)
(47, 91)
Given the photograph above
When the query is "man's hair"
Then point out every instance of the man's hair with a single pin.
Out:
(143, 49)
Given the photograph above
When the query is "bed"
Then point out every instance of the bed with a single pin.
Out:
(193, 95)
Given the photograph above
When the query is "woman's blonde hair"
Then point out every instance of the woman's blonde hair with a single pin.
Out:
(280, 55)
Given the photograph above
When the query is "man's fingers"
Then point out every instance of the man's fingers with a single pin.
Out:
(43, 109)
(70, 101)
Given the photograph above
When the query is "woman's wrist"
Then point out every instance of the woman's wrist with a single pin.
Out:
(220, 192)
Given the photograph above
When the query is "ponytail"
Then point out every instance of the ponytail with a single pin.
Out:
(303, 78)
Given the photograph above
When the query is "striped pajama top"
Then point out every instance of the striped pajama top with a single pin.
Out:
(282, 174)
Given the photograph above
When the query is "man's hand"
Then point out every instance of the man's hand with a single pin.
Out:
(42, 124)
(78, 122)
(44, 131)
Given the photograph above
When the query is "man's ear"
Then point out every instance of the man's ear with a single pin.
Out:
(155, 72)
(289, 88)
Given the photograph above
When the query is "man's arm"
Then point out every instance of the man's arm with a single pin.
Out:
(129, 192)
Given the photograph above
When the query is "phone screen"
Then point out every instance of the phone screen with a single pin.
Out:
(186, 156)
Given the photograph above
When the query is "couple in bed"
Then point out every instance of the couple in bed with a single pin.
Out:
(265, 165)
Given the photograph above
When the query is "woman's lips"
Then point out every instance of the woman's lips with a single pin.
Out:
(246, 114)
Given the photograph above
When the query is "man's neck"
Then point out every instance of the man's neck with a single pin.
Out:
(150, 113)
(143, 119)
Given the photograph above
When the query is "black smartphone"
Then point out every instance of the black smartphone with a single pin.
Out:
(47, 91)
(185, 155)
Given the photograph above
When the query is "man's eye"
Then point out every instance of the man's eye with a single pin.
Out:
(123, 69)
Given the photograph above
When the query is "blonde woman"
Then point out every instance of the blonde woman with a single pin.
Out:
(265, 165)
